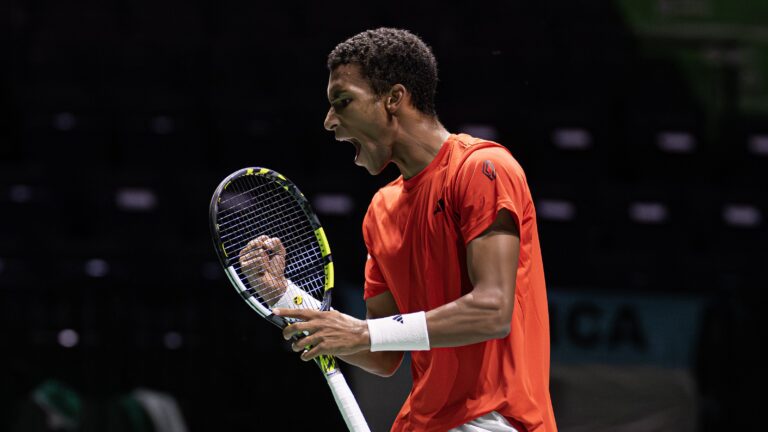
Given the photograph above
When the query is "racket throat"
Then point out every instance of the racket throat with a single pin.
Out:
(327, 364)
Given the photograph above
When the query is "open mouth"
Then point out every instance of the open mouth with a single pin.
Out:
(355, 143)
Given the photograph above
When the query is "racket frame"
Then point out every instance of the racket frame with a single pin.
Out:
(342, 394)
(325, 248)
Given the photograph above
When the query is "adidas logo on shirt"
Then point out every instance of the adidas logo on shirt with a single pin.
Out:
(398, 318)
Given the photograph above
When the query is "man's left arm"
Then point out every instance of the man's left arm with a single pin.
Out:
(486, 311)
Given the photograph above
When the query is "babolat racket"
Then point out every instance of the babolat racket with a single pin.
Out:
(276, 254)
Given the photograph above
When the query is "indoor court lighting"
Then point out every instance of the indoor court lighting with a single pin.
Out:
(648, 212)
(572, 138)
(558, 210)
(20, 193)
(64, 121)
(68, 338)
(162, 125)
(333, 204)
(135, 199)
(173, 340)
(742, 215)
(479, 130)
(758, 144)
(96, 268)
(676, 142)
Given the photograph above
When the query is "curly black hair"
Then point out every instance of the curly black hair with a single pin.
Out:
(389, 56)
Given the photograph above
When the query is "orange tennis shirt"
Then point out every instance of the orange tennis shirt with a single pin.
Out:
(416, 232)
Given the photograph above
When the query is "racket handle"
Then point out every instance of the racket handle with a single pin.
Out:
(346, 402)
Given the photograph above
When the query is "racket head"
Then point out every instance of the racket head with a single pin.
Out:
(256, 201)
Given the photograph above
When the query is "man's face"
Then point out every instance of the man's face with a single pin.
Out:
(358, 116)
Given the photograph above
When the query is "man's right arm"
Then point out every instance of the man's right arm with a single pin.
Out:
(382, 363)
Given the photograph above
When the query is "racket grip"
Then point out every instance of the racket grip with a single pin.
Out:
(346, 402)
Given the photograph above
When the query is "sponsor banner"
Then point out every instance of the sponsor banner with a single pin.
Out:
(628, 328)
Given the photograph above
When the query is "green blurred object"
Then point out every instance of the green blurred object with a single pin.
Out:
(54, 406)
(128, 415)
(61, 404)
(721, 47)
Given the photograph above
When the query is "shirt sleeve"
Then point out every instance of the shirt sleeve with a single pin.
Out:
(374, 279)
(488, 181)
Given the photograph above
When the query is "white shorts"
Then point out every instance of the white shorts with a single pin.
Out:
(491, 422)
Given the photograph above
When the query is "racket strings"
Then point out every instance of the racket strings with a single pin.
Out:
(301, 251)
(246, 192)
(268, 209)
(296, 217)
(295, 269)
(237, 235)
(249, 195)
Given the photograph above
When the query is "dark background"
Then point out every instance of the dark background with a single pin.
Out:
(164, 99)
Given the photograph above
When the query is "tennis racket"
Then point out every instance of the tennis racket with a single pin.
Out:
(275, 253)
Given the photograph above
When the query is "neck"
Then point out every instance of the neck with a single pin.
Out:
(416, 145)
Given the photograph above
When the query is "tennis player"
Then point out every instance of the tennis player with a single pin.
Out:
(454, 271)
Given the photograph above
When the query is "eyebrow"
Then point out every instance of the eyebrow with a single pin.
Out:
(335, 93)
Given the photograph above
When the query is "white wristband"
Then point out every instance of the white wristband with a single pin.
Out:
(296, 298)
(406, 332)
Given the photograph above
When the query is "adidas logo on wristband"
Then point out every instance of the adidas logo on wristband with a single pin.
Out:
(396, 333)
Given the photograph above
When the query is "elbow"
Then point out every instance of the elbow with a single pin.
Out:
(494, 326)
(498, 317)
(389, 364)
(497, 326)
(384, 373)
(500, 329)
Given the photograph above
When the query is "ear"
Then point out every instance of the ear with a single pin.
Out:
(395, 98)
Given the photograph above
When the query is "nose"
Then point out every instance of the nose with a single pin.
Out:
(331, 122)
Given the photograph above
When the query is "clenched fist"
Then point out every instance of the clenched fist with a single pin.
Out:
(262, 262)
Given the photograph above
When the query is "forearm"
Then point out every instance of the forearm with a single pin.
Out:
(383, 363)
(483, 314)
(470, 319)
